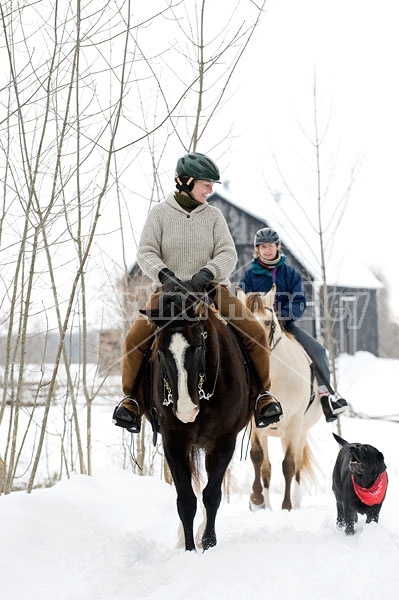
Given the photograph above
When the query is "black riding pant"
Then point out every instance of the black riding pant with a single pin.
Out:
(314, 349)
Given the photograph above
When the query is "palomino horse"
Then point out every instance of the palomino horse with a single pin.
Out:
(292, 385)
(201, 401)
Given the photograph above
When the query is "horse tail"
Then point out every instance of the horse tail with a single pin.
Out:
(195, 464)
(310, 465)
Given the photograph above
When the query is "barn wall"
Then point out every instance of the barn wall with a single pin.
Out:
(354, 313)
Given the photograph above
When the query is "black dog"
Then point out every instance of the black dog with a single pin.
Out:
(359, 483)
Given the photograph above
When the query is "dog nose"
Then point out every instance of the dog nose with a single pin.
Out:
(355, 446)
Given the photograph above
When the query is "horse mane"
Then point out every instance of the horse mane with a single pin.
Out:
(287, 333)
(185, 314)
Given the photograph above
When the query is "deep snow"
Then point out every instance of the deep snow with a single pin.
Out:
(114, 535)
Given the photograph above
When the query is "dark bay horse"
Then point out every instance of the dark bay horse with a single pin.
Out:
(200, 399)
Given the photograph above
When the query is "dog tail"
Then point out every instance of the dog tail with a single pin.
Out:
(340, 440)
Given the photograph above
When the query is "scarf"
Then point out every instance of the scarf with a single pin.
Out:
(375, 493)
(261, 268)
(186, 202)
(269, 263)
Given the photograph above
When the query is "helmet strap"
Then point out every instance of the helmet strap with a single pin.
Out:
(185, 186)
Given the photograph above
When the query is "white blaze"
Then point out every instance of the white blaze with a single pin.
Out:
(186, 410)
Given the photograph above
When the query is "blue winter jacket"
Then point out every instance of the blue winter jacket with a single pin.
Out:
(290, 302)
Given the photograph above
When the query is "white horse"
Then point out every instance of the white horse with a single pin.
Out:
(296, 390)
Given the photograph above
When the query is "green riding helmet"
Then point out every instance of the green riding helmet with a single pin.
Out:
(194, 166)
(266, 236)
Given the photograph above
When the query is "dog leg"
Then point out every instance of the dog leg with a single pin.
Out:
(373, 514)
(340, 516)
(350, 518)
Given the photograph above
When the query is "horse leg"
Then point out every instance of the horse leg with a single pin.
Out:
(262, 470)
(180, 467)
(296, 491)
(216, 463)
(302, 461)
(266, 471)
(288, 472)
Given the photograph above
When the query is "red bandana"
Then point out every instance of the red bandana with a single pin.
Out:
(375, 493)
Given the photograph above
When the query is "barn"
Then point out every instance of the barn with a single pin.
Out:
(352, 290)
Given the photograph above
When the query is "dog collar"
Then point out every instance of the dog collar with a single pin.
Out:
(375, 493)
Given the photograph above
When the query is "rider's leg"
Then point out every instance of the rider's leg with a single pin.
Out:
(267, 409)
(331, 403)
(128, 412)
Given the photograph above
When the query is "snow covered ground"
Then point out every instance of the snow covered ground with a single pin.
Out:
(114, 535)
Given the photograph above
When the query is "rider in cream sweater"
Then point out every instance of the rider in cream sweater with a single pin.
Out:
(186, 239)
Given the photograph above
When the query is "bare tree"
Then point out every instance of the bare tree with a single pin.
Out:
(59, 148)
(322, 214)
(88, 100)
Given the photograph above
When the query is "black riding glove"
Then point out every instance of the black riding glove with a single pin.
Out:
(168, 280)
(202, 279)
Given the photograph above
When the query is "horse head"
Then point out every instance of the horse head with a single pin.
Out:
(180, 344)
(262, 307)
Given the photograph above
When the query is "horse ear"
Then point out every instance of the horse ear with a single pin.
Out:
(240, 294)
(200, 308)
(151, 313)
(269, 298)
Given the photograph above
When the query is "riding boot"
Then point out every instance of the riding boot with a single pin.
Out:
(332, 406)
(267, 410)
(128, 415)
(128, 412)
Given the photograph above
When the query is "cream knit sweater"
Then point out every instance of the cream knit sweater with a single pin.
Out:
(186, 242)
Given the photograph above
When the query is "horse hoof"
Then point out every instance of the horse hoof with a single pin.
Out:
(256, 507)
(208, 542)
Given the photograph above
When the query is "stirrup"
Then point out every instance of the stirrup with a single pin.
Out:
(332, 406)
(123, 417)
(338, 404)
(266, 420)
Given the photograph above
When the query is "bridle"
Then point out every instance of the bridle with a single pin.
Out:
(271, 341)
(168, 396)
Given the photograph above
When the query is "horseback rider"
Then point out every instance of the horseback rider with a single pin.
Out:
(186, 239)
(268, 267)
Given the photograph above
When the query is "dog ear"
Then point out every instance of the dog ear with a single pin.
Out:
(381, 462)
(340, 440)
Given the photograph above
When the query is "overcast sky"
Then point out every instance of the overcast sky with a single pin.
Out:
(350, 49)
